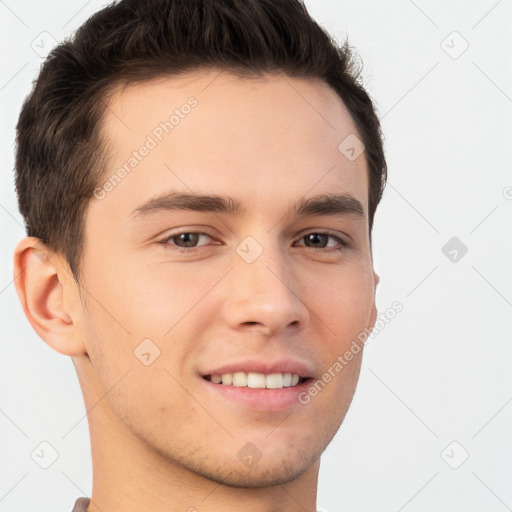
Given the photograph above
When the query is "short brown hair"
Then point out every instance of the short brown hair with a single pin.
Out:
(59, 156)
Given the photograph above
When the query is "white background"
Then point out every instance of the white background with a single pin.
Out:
(441, 370)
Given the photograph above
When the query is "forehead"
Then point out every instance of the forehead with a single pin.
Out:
(212, 131)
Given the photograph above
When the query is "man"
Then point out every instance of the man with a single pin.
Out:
(199, 180)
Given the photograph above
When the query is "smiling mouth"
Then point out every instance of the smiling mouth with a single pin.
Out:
(256, 380)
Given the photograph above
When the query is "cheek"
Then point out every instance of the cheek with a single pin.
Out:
(343, 302)
(143, 300)
(344, 309)
(140, 376)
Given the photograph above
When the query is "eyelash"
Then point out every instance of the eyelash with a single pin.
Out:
(168, 246)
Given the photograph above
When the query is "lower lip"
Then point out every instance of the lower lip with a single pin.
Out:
(260, 399)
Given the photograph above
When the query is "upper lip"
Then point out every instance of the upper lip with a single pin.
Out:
(263, 366)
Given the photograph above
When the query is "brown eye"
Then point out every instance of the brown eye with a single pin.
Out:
(318, 240)
(185, 240)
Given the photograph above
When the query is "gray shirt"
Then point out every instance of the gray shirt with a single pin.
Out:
(81, 505)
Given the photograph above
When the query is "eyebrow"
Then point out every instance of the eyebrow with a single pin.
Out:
(324, 204)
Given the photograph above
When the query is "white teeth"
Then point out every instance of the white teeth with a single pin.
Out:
(257, 380)
(275, 381)
(227, 378)
(240, 379)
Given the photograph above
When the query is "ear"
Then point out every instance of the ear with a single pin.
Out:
(49, 295)
(373, 316)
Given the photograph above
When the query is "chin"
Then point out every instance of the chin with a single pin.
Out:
(269, 470)
(257, 477)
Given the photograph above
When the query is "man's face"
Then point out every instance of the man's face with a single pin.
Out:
(258, 291)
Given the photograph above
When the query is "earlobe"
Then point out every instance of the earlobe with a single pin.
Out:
(373, 317)
(46, 293)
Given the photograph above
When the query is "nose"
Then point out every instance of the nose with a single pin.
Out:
(264, 295)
